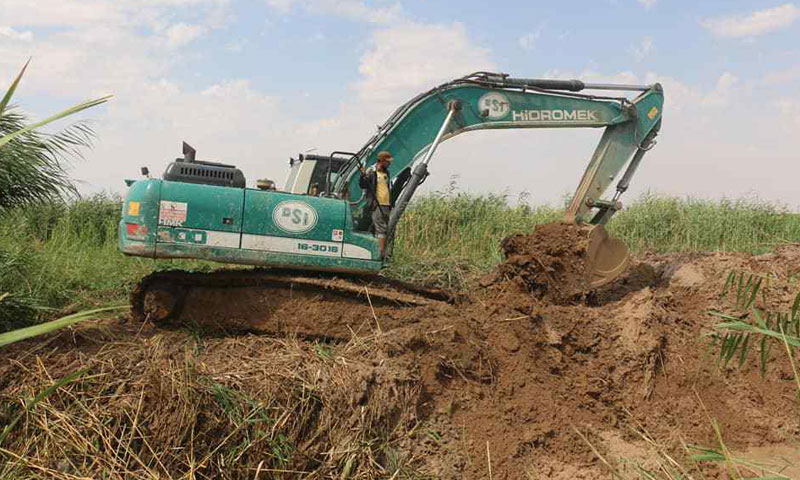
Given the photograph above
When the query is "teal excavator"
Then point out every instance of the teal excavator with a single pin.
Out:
(320, 220)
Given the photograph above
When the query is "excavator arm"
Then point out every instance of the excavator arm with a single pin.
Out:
(497, 101)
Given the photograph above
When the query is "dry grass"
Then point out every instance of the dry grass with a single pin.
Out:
(171, 404)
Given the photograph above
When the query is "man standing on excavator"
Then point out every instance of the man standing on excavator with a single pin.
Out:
(375, 182)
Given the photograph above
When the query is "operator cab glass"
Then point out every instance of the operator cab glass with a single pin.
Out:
(319, 177)
(294, 170)
(312, 176)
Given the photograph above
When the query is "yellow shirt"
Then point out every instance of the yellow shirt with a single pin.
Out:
(382, 190)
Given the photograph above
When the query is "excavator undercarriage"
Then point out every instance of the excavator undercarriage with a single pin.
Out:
(271, 300)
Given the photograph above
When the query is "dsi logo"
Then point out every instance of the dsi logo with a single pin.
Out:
(294, 217)
(494, 105)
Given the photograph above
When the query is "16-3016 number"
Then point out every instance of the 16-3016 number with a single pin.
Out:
(318, 248)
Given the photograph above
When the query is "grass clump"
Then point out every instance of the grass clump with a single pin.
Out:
(753, 325)
(672, 224)
(190, 410)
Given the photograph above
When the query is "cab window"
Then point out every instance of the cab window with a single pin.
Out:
(318, 181)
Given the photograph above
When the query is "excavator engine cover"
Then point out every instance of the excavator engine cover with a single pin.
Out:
(606, 257)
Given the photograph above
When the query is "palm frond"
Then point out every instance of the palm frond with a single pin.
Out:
(13, 88)
(65, 113)
(33, 166)
(54, 325)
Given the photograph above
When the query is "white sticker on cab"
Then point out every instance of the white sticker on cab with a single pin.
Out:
(172, 213)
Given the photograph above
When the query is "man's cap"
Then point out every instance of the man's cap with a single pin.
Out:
(384, 155)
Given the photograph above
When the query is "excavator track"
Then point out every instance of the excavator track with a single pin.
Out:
(277, 301)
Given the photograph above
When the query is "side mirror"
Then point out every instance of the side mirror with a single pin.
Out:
(145, 171)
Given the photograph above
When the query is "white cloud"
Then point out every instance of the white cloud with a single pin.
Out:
(101, 46)
(69, 13)
(755, 23)
(237, 89)
(77, 63)
(591, 76)
(401, 60)
(679, 97)
(723, 91)
(237, 45)
(181, 34)
(87, 13)
(528, 41)
(647, 3)
(782, 77)
(694, 102)
(13, 34)
(790, 109)
(352, 9)
(642, 50)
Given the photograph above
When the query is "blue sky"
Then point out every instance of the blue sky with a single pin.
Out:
(254, 81)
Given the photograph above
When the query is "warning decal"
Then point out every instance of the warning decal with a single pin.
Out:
(133, 208)
(172, 213)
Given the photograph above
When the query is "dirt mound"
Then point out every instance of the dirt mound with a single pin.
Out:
(511, 380)
(550, 262)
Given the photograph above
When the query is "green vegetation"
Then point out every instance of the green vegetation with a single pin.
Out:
(754, 326)
(669, 224)
(32, 173)
(32, 167)
(57, 257)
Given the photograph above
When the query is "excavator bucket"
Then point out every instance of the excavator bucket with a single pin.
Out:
(606, 257)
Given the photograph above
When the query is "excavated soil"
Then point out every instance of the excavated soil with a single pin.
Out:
(525, 378)
(549, 263)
